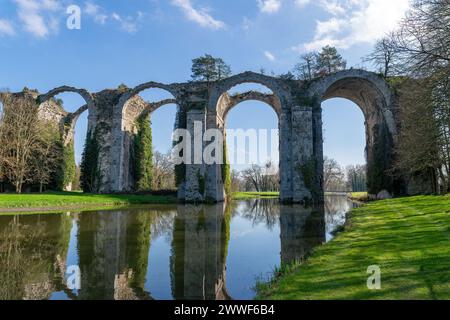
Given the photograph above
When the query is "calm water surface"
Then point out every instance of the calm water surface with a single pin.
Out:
(161, 252)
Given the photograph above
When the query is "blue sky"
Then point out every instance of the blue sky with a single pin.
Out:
(134, 41)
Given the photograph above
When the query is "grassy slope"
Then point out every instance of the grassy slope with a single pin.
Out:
(408, 238)
(254, 195)
(64, 199)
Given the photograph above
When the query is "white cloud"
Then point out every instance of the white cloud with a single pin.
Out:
(269, 6)
(199, 16)
(6, 28)
(36, 16)
(355, 22)
(302, 3)
(96, 12)
(91, 8)
(333, 6)
(128, 24)
(269, 55)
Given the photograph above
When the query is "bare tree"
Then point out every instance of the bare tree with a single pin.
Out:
(306, 69)
(383, 56)
(236, 182)
(253, 177)
(261, 178)
(163, 172)
(18, 139)
(334, 178)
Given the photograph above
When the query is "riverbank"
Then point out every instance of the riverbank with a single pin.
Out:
(408, 238)
(61, 201)
(255, 195)
(57, 201)
(359, 196)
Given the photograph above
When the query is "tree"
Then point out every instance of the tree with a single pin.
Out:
(306, 68)
(261, 178)
(421, 51)
(163, 172)
(236, 182)
(144, 154)
(46, 155)
(383, 57)
(19, 138)
(356, 178)
(419, 127)
(333, 175)
(89, 171)
(207, 68)
(329, 61)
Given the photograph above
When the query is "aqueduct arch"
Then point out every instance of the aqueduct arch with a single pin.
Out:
(112, 114)
(128, 110)
(376, 100)
(67, 124)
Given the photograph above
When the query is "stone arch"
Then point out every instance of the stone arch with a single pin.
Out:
(366, 89)
(227, 102)
(372, 94)
(139, 88)
(128, 109)
(131, 106)
(220, 102)
(69, 120)
(222, 87)
(69, 123)
(86, 95)
(152, 107)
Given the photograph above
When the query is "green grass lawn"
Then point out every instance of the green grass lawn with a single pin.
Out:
(69, 199)
(255, 195)
(361, 196)
(408, 238)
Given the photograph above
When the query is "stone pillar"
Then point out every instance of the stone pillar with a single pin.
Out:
(301, 230)
(198, 253)
(318, 152)
(195, 170)
(303, 163)
(285, 130)
(214, 181)
(104, 125)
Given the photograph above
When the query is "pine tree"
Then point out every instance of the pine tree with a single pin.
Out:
(208, 68)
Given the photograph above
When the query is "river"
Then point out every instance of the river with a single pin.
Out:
(159, 252)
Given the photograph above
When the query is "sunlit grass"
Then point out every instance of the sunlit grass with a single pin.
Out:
(409, 239)
(67, 199)
(255, 195)
(359, 196)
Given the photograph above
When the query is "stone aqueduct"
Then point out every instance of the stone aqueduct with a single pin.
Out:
(113, 113)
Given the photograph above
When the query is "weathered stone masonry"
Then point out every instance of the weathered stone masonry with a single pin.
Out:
(113, 115)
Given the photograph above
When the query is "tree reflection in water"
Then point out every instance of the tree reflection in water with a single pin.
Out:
(112, 249)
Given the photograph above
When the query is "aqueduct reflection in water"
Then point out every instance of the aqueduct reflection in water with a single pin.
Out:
(166, 252)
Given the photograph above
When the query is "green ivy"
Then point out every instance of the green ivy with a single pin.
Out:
(143, 154)
(226, 172)
(65, 172)
(90, 174)
(380, 162)
(180, 169)
(308, 172)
